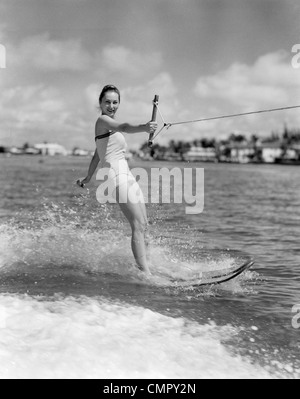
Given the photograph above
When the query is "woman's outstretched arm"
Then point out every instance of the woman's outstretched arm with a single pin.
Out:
(110, 124)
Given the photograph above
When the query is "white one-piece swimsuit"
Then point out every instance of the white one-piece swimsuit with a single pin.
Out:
(122, 185)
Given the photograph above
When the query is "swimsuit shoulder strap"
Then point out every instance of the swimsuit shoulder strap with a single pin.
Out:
(102, 136)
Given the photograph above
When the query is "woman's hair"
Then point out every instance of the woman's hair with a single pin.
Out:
(109, 88)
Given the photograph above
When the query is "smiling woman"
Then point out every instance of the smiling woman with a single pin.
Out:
(110, 152)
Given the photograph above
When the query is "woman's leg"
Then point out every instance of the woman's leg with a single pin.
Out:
(130, 198)
(136, 215)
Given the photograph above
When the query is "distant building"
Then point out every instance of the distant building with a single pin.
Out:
(80, 153)
(291, 154)
(51, 149)
(271, 152)
(172, 156)
(32, 151)
(241, 152)
(296, 148)
(16, 151)
(201, 154)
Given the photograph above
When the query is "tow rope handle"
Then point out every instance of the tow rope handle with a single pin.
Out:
(153, 119)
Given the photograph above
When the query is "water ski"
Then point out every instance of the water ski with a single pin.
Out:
(217, 277)
(213, 267)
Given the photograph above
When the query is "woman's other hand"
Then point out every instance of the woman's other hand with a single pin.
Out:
(82, 182)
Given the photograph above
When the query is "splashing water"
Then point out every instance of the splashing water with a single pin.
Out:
(58, 241)
(70, 271)
(96, 338)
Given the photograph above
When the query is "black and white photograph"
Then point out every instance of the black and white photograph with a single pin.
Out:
(150, 192)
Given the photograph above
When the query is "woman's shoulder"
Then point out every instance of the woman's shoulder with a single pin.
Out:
(102, 120)
(105, 122)
(101, 125)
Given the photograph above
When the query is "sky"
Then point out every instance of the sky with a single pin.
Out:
(204, 58)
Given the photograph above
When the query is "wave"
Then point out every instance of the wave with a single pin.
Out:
(99, 338)
(71, 273)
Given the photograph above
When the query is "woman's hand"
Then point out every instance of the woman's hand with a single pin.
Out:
(82, 182)
(151, 127)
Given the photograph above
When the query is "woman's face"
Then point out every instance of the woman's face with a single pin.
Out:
(110, 104)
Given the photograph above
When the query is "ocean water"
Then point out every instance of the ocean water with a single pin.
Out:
(73, 304)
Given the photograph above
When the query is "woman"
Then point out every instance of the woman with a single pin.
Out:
(111, 148)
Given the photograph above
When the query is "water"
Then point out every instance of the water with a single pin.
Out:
(73, 305)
